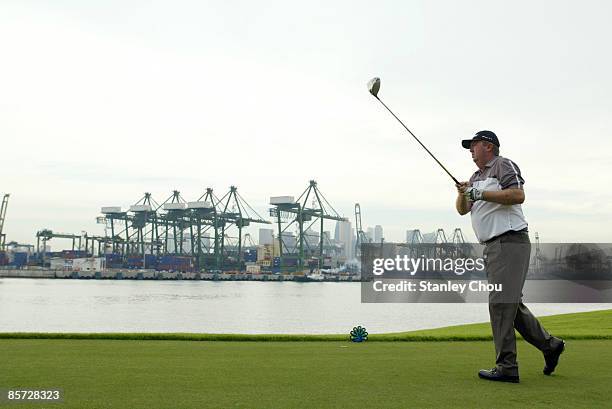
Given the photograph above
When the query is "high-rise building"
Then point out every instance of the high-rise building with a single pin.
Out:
(370, 234)
(378, 233)
(345, 236)
(266, 236)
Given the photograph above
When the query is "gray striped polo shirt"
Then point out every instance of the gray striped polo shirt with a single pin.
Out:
(492, 219)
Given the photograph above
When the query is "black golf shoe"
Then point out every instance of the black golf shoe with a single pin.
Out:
(552, 358)
(495, 375)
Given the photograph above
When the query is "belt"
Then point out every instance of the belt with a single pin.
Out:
(508, 233)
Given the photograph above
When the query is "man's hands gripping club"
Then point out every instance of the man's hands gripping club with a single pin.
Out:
(467, 195)
(472, 194)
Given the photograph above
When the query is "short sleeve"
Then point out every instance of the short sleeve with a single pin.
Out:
(509, 175)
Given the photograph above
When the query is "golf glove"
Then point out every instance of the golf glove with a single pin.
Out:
(472, 194)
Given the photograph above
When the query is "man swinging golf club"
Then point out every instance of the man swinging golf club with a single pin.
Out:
(493, 196)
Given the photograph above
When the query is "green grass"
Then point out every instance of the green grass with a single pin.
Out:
(581, 325)
(177, 374)
(584, 325)
(106, 373)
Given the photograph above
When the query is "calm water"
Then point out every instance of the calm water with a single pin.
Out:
(48, 305)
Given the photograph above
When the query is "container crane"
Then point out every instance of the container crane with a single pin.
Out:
(5, 199)
(361, 236)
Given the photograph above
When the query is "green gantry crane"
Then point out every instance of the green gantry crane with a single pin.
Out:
(45, 235)
(161, 229)
(236, 212)
(361, 236)
(299, 213)
(5, 199)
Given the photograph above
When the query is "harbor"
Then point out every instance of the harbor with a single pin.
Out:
(127, 274)
(214, 238)
(205, 238)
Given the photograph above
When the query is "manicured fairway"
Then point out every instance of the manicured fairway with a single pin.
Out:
(179, 374)
(581, 325)
(316, 374)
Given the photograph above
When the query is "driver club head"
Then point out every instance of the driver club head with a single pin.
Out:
(374, 86)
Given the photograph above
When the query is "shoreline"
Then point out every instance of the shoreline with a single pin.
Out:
(126, 274)
(574, 326)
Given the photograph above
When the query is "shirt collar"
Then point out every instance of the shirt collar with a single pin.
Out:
(489, 164)
(492, 162)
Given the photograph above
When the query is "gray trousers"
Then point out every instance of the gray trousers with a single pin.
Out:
(507, 262)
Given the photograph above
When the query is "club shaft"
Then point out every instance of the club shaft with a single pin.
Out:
(417, 139)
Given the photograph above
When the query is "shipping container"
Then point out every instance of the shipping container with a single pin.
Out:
(290, 261)
(74, 254)
(20, 259)
(77, 264)
(3, 258)
(150, 261)
(133, 262)
(250, 255)
(173, 267)
(113, 260)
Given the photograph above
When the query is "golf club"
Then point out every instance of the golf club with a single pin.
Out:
(374, 87)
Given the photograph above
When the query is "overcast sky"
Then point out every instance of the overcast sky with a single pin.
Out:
(102, 101)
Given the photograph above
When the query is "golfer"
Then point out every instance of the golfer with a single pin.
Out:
(493, 196)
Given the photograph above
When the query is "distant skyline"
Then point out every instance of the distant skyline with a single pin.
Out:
(103, 101)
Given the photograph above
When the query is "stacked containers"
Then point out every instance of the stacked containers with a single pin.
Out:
(3, 258)
(175, 263)
(186, 263)
(20, 259)
(165, 263)
(276, 265)
(150, 261)
(290, 261)
(114, 260)
(134, 262)
(35, 259)
(250, 256)
(70, 254)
